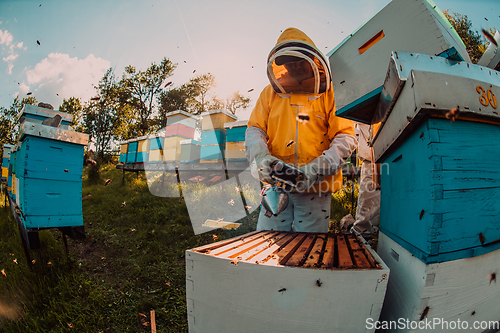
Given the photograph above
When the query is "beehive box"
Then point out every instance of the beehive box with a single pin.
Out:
(156, 155)
(179, 130)
(439, 180)
(358, 64)
(214, 120)
(463, 291)
(48, 171)
(5, 161)
(190, 151)
(182, 117)
(123, 152)
(235, 141)
(212, 146)
(274, 281)
(36, 115)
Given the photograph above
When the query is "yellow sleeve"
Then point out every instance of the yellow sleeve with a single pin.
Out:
(260, 114)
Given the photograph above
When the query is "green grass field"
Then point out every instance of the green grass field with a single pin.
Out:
(131, 262)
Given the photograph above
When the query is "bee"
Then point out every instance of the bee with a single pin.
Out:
(250, 90)
(424, 313)
(493, 277)
(106, 182)
(319, 283)
(302, 118)
(282, 290)
(290, 143)
(452, 114)
(422, 214)
(234, 262)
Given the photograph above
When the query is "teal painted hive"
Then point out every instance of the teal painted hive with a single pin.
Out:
(439, 172)
(48, 169)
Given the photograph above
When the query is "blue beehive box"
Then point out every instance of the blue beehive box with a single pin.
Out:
(213, 138)
(211, 153)
(439, 180)
(48, 169)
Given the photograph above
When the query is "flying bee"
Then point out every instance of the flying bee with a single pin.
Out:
(319, 283)
(452, 114)
(489, 37)
(282, 290)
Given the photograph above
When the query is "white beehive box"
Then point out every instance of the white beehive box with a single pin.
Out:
(359, 63)
(462, 291)
(272, 281)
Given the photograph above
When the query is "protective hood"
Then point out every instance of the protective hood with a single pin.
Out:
(296, 66)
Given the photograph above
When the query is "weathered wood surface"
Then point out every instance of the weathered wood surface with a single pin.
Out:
(259, 283)
(463, 289)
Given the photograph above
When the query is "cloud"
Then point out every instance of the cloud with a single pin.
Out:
(7, 40)
(58, 76)
(5, 37)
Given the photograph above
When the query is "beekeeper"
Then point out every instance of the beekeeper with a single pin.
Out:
(368, 209)
(294, 121)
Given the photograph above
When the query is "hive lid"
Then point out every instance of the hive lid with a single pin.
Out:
(358, 64)
(49, 132)
(42, 112)
(217, 111)
(184, 113)
(295, 249)
(239, 123)
(470, 97)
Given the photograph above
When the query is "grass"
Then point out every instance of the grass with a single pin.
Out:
(131, 262)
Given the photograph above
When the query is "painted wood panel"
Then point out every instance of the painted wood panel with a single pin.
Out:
(132, 147)
(212, 152)
(235, 150)
(179, 130)
(190, 152)
(155, 143)
(215, 120)
(142, 145)
(156, 155)
(213, 138)
(241, 286)
(437, 195)
(464, 289)
(234, 134)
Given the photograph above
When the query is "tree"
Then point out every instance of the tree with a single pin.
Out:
(8, 119)
(74, 106)
(198, 88)
(173, 100)
(237, 102)
(474, 42)
(102, 115)
(143, 88)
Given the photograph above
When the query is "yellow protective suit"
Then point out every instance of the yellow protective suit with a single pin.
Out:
(300, 125)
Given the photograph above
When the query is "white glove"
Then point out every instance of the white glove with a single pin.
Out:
(261, 160)
(314, 172)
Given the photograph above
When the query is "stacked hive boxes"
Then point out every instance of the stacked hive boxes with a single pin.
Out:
(155, 143)
(142, 150)
(439, 225)
(180, 126)
(5, 161)
(235, 141)
(438, 220)
(213, 136)
(48, 166)
(123, 152)
(132, 152)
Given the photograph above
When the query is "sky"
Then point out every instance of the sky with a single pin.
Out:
(80, 40)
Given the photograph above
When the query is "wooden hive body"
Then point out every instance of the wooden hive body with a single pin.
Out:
(432, 183)
(235, 141)
(270, 281)
(190, 151)
(463, 290)
(48, 171)
(6, 150)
